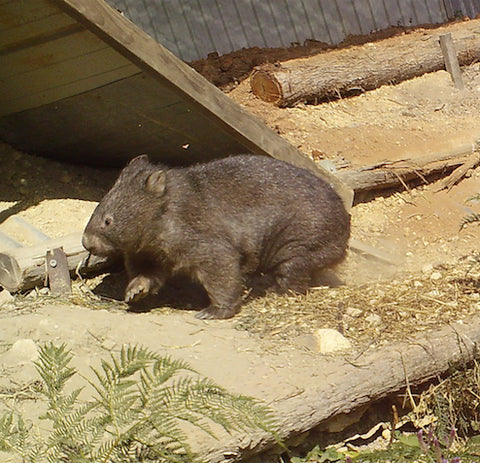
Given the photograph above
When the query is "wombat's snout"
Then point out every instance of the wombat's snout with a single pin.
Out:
(98, 245)
(87, 242)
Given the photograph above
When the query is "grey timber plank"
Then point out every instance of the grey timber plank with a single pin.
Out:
(54, 52)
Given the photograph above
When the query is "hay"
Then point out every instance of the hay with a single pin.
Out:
(370, 314)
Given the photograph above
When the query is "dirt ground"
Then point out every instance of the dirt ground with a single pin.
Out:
(419, 229)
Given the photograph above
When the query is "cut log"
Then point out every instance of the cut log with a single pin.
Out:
(392, 174)
(24, 267)
(360, 68)
(357, 382)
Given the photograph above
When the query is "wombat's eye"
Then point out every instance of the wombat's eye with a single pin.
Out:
(107, 220)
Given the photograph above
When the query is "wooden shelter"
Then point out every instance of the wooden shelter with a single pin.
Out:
(80, 82)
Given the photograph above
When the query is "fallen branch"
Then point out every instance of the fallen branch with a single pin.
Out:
(393, 174)
(357, 382)
(472, 162)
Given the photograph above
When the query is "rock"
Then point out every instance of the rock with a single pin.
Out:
(5, 297)
(435, 276)
(22, 351)
(353, 312)
(331, 341)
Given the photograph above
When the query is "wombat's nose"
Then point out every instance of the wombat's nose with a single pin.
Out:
(86, 242)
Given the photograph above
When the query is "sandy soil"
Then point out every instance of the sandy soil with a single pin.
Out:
(418, 228)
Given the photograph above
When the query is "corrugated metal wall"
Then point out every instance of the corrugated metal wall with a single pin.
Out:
(193, 28)
(459, 8)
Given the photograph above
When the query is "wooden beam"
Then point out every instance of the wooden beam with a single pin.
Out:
(451, 60)
(58, 272)
(151, 57)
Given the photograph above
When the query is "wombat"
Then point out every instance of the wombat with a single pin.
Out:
(220, 223)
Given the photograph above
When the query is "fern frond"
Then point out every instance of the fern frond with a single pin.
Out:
(13, 434)
(475, 197)
(470, 218)
(53, 367)
(195, 400)
(141, 401)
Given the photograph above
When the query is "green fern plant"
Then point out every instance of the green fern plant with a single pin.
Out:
(141, 403)
(473, 217)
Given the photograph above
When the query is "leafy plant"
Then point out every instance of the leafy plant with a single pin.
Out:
(142, 406)
(473, 217)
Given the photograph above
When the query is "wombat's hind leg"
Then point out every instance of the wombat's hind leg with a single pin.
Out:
(294, 275)
(225, 292)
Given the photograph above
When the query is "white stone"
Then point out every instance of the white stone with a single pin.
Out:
(353, 312)
(22, 351)
(435, 276)
(330, 341)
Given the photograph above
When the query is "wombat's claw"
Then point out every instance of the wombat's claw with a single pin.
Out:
(215, 313)
(137, 289)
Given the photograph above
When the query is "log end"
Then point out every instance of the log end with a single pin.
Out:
(10, 273)
(265, 86)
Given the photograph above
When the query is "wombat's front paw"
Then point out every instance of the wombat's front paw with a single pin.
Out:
(212, 313)
(138, 288)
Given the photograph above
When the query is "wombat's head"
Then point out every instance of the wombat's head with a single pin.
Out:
(118, 223)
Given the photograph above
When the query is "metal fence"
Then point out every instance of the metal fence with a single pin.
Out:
(194, 28)
(459, 8)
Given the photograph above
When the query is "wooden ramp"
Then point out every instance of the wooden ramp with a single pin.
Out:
(80, 82)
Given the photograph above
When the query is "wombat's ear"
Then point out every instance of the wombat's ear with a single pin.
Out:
(156, 182)
(142, 159)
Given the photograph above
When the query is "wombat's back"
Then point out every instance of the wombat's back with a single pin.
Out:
(259, 180)
(262, 205)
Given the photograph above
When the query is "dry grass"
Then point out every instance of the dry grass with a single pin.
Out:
(370, 314)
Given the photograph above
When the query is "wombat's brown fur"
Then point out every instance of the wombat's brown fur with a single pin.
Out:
(220, 223)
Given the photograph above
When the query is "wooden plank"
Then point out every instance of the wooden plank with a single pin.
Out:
(7, 242)
(56, 51)
(451, 60)
(16, 13)
(59, 74)
(43, 30)
(178, 77)
(24, 102)
(128, 117)
(58, 272)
